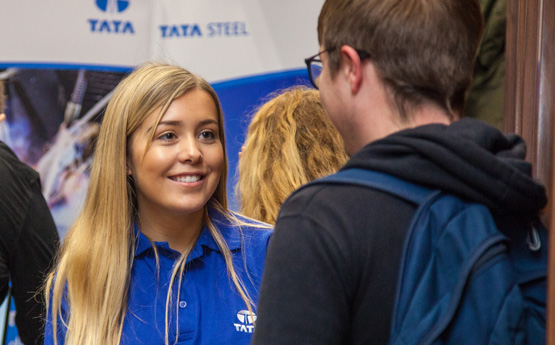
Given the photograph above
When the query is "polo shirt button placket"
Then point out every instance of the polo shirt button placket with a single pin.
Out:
(182, 304)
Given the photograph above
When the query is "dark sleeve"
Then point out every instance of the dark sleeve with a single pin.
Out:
(303, 294)
(331, 268)
(4, 269)
(33, 254)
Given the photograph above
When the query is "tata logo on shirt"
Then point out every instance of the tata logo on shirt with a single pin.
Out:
(111, 26)
(112, 6)
(246, 321)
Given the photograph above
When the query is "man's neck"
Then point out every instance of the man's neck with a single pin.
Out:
(372, 114)
(380, 122)
(428, 114)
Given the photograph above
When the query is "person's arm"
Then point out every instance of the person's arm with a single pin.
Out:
(4, 272)
(305, 289)
(28, 271)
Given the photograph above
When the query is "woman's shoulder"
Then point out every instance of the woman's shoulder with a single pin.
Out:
(250, 224)
(242, 231)
(250, 228)
(239, 222)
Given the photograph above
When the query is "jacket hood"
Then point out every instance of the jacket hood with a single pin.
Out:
(468, 158)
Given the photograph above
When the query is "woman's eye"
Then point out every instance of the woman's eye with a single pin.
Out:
(207, 135)
(167, 136)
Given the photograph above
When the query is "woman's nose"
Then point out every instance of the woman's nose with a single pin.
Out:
(189, 151)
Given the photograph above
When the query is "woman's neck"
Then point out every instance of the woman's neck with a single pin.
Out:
(179, 231)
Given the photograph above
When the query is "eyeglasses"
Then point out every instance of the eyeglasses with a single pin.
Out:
(314, 64)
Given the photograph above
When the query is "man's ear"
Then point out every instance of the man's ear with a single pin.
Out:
(353, 67)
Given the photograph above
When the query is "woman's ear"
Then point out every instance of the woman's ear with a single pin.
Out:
(128, 167)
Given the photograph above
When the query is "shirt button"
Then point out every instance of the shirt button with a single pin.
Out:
(182, 304)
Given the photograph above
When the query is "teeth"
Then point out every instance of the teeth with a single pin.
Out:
(187, 179)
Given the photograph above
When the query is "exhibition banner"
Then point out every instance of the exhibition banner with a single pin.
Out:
(218, 39)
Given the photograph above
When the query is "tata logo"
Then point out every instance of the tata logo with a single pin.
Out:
(111, 26)
(214, 29)
(246, 321)
(184, 30)
(112, 6)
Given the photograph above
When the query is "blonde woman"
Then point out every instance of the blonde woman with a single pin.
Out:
(156, 257)
(290, 141)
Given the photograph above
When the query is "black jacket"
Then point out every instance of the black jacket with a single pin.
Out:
(28, 243)
(332, 266)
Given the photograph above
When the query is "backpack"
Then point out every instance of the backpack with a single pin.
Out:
(461, 280)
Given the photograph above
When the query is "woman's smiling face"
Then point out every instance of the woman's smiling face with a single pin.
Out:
(181, 168)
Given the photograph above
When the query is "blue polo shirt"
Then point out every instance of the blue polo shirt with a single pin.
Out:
(209, 310)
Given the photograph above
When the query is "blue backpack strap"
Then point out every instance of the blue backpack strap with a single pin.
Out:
(380, 181)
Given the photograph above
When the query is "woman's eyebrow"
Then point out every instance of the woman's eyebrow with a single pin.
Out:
(167, 123)
(208, 122)
(180, 123)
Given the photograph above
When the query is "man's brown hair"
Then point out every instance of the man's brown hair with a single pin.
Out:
(423, 50)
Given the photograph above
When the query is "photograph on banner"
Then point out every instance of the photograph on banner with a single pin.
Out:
(52, 119)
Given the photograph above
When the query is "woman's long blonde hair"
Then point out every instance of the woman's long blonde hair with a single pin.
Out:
(290, 141)
(96, 257)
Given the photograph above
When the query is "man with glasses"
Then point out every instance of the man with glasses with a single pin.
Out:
(392, 76)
